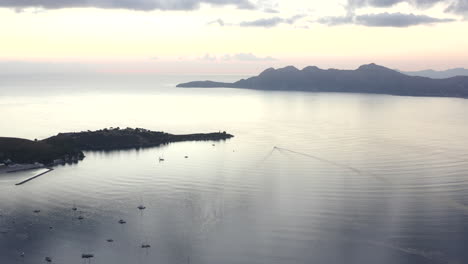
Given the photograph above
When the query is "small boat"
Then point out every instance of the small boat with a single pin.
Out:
(141, 207)
(186, 157)
(110, 240)
(121, 221)
(48, 259)
(145, 245)
(161, 159)
(37, 211)
(87, 256)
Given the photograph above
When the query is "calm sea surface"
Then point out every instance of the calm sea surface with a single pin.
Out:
(354, 179)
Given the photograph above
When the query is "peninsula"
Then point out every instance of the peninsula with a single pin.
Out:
(370, 78)
(69, 147)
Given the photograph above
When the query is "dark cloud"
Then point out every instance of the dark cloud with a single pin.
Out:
(264, 22)
(271, 22)
(459, 7)
(335, 20)
(145, 5)
(397, 20)
(384, 20)
(388, 3)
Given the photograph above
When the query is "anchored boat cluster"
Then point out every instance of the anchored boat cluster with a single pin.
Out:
(88, 256)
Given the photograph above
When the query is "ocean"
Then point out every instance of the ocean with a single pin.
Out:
(308, 178)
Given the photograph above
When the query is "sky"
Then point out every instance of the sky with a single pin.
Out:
(230, 36)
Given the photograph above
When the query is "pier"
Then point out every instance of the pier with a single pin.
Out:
(34, 177)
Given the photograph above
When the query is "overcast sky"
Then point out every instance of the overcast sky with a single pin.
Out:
(231, 36)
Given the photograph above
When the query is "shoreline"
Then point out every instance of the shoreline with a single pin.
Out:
(18, 154)
(21, 167)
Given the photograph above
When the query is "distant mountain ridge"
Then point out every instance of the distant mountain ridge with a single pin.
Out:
(439, 74)
(369, 78)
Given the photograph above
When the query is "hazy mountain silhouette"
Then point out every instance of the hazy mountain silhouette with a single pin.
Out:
(370, 78)
(439, 74)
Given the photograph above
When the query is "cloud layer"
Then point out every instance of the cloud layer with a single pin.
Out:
(145, 5)
(397, 20)
(459, 7)
(270, 22)
(262, 22)
(389, 3)
(384, 20)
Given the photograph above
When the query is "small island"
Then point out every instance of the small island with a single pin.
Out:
(69, 147)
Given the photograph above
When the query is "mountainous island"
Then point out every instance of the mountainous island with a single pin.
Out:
(439, 74)
(370, 78)
(67, 147)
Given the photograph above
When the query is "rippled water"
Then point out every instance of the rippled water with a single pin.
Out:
(354, 178)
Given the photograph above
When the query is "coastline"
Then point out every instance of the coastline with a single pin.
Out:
(21, 167)
(22, 154)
